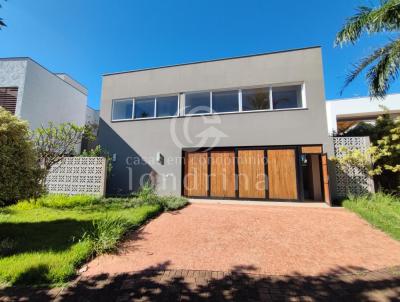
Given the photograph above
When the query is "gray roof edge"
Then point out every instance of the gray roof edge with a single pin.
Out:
(213, 60)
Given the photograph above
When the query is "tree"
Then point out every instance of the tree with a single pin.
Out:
(382, 159)
(57, 141)
(20, 173)
(385, 60)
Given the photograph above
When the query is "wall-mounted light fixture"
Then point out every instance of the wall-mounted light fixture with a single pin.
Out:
(160, 158)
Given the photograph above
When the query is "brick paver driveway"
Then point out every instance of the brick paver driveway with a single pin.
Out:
(242, 253)
(254, 239)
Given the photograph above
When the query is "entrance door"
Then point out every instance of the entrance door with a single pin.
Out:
(222, 177)
(282, 174)
(195, 180)
(251, 167)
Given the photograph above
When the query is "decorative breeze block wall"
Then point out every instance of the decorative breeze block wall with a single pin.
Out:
(78, 175)
(353, 180)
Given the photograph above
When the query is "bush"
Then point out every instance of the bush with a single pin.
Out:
(106, 233)
(147, 195)
(172, 203)
(67, 201)
(20, 174)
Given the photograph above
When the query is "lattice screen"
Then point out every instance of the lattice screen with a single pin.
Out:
(352, 181)
(78, 175)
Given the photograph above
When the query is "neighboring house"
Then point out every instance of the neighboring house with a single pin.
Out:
(343, 114)
(39, 96)
(250, 127)
(92, 116)
(92, 120)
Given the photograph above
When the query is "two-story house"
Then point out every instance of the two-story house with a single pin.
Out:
(251, 128)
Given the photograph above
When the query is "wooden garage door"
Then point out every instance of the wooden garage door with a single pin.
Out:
(222, 177)
(251, 173)
(195, 181)
(282, 174)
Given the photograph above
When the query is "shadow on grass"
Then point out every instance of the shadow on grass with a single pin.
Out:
(160, 284)
(58, 235)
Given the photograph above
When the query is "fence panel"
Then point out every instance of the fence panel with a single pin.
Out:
(352, 180)
(78, 175)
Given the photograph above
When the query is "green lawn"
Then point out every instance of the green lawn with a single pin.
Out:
(44, 243)
(381, 210)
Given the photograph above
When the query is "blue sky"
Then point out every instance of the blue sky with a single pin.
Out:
(87, 38)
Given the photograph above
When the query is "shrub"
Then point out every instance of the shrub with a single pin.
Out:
(147, 195)
(20, 173)
(106, 234)
(66, 201)
(172, 203)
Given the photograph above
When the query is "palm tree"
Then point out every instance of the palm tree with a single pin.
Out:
(384, 62)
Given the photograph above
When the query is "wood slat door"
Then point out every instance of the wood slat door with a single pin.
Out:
(282, 178)
(196, 176)
(325, 178)
(222, 177)
(251, 170)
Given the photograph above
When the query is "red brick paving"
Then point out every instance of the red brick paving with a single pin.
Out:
(158, 284)
(255, 239)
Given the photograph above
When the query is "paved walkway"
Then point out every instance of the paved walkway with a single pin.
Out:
(241, 253)
(257, 239)
(157, 284)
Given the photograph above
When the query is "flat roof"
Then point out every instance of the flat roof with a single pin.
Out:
(213, 60)
(53, 73)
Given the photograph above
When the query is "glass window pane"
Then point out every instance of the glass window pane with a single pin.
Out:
(167, 106)
(198, 102)
(144, 108)
(122, 110)
(286, 97)
(255, 99)
(225, 101)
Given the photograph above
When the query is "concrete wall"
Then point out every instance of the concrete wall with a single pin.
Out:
(141, 140)
(358, 106)
(48, 98)
(12, 74)
(72, 82)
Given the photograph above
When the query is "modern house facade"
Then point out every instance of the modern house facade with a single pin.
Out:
(343, 114)
(250, 127)
(39, 96)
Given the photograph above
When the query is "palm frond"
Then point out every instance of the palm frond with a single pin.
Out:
(361, 65)
(2, 24)
(386, 70)
(386, 17)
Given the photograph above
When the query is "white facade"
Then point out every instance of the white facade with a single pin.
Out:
(43, 96)
(362, 107)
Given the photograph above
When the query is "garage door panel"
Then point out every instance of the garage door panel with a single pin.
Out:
(196, 174)
(282, 174)
(251, 169)
(222, 177)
